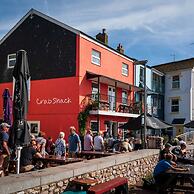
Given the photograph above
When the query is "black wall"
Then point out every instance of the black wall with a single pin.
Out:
(51, 50)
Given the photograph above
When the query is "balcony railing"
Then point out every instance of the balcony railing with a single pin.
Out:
(112, 103)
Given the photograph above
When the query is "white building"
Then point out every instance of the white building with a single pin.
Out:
(179, 93)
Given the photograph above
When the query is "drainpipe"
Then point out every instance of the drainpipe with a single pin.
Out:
(98, 116)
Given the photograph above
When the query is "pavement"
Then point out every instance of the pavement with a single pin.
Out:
(138, 189)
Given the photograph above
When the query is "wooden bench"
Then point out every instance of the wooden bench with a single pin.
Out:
(120, 184)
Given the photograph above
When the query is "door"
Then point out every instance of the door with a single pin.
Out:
(111, 97)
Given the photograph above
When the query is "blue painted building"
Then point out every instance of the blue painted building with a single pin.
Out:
(155, 89)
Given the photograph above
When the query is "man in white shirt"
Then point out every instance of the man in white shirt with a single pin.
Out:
(99, 142)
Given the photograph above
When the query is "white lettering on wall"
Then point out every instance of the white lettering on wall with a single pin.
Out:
(53, 101)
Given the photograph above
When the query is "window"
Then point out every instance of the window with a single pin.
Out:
(96, 57)
(11, 60)
(124, 97)
(175, 82)
(94, 127)
(94, 91)
(125, 69)
(141, 74)
(174, 105)
(34, 127)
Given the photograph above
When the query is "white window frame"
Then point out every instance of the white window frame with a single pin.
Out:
(141, 74)
(9, 60)
(125, 69)
(94, 93)
(175, 105)
(176, 83)
(123, 99)
(96, 58)
(33, 124)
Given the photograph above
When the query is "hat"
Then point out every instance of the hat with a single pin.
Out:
(168, 145)
(5, 125)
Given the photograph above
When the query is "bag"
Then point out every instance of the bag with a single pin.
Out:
(149, 183)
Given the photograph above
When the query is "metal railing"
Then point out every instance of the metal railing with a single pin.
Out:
(112, 103)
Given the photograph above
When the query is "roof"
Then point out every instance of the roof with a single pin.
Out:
(179, 121)
(48, 18)
(175, 65)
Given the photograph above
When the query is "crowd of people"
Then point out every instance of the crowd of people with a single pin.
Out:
(168, 160)
(38, 147)
(42, 145)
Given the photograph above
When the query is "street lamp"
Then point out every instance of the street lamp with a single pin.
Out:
(143, 62)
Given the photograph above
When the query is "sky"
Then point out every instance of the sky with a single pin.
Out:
(159, 31)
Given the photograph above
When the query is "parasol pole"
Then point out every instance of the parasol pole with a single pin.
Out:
(18, 155)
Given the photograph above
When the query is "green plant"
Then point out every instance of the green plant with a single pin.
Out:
(83, 116)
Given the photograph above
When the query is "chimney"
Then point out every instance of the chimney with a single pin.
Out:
(102, 37)
(120, 48)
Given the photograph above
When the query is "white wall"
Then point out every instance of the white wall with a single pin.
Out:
(192, 94)
(184, 93)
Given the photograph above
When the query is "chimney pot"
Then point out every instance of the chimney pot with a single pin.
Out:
(102, 37)
(120, 48)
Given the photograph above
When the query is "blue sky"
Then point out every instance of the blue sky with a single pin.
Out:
(155, 30)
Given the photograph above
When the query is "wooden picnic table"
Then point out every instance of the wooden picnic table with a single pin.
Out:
(86, 183)
(183, 177)
(186, 160)
(95, 154)
(48, 159)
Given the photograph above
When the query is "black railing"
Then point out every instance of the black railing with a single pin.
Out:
(112, 103)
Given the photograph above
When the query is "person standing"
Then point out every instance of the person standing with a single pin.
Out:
(4, 149)
(60, 145)
(99, 142)
(88, 141)
(74, 143)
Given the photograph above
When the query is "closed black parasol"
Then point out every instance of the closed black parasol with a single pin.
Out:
(151, 122)
(20, 132)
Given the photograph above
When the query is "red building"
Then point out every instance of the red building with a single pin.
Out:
(69, 69)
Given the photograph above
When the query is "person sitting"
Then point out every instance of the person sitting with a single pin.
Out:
(41, 143)
(88, 141)
(137, 143)
(181, 141)
(125, 146)
(26, 159)
(99, 142)
(165, 151)
(162, 179)
(50, 146)
(180, 150)
(4, 149)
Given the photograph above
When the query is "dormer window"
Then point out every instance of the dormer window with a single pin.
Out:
(11, 60)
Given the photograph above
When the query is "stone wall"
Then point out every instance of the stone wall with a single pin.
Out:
(134, 166)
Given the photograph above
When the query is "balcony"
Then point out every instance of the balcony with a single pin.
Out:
(113, 104)
(157, 87)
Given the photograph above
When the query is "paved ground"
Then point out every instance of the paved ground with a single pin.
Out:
(139, 190)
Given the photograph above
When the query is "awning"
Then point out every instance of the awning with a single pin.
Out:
(190, 124)
(178, 121)
(151, 122)
(111, 81)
